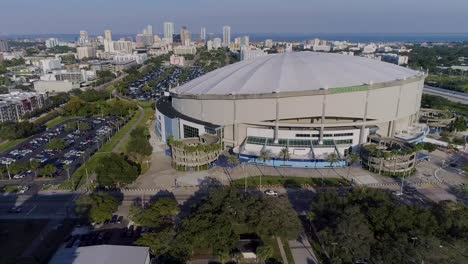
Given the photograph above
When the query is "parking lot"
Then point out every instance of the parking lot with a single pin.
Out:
(166, 78)
(79, 145)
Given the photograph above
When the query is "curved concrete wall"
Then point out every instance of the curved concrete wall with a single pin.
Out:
(398, 103)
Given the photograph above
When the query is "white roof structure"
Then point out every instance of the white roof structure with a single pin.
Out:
(103, 254)
(294, 72)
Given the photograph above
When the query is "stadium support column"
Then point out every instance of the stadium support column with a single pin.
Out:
(364, 119)
(277, 121)
(322, 120)
(392, 131)
(235, 127)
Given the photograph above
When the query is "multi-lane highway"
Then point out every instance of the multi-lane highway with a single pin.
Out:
(447, 94)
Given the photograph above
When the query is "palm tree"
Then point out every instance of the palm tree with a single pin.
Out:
(311, 218)
(35, 164)
(332, 158)
(352, 159)
(284, 154)
(265, 155)
(233, 160)
(67, 168)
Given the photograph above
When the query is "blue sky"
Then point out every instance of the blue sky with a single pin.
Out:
(244, 16)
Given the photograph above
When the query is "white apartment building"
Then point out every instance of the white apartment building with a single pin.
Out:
(138, 58)
(51, 42)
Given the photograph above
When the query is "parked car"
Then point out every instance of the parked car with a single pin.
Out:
(271, 193)
(15, 209)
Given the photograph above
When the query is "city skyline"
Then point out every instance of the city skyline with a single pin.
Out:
(429, 16)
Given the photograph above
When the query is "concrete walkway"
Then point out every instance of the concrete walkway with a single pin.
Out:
(281, 249)
(302, 250)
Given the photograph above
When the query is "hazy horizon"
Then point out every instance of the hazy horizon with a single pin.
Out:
(23, 17)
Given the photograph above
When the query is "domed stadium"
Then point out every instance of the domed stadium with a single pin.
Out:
(311, 103)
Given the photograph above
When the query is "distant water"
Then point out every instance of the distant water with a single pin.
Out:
(352, 37)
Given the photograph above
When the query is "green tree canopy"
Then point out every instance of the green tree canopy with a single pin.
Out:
(57, 144)
(98, 207)
(160, 214)
(114, 170)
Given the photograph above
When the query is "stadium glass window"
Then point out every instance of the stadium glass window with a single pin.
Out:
(343, 134)
(190, 131)
(327, 135)
(303, 135)
(256, 140)
(343, 142)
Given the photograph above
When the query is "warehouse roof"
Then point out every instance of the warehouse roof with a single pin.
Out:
(293, 72)
(103, 254)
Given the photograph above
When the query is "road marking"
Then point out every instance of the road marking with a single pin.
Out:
(34, 207)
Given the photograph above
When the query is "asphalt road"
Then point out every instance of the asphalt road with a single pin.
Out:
(447, 94)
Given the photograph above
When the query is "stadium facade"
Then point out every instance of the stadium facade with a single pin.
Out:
(312, 103)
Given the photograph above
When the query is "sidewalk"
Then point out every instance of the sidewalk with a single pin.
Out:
(302, 250)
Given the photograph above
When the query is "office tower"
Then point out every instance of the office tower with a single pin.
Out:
(51, 42)
(168, 31)
(108, 35)
(185, 36)
(203, 34)
(226, 35)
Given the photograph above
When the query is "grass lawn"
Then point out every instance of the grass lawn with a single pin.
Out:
(58, 120)
(109, 146)
(10, 189)
(254, 182)
(10, 143)
(16, 237)
(287, 250)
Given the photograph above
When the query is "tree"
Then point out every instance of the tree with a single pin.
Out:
(158, 242)
(57, 144)
(138, 146)
(115, 170)
(233, 160)
(160, 214)
(265, 155)
(48, 170)
(35, 165)
(353, 158)
(331, 158)
(98, 207)
(284, 154)
(264, 252)
(15, 168)
(74, 105)
(67, 168)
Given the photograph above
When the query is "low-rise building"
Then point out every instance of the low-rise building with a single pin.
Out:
(50, 64)
(54, 86)
(181, 50)
(102, 254)
(177, 60)
(138, 58)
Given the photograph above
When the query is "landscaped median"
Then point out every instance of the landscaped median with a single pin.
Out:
(288, 181)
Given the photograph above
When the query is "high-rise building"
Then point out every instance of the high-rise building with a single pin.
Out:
(83, 37)
(149, 30)
(86, 52)
(226, 35)
(243, 41)
(185, 38)
(122, 46)
(4, 45)
(108, 35)
(168, 31)
(203, 34)
(52, 42)
(268, 43)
